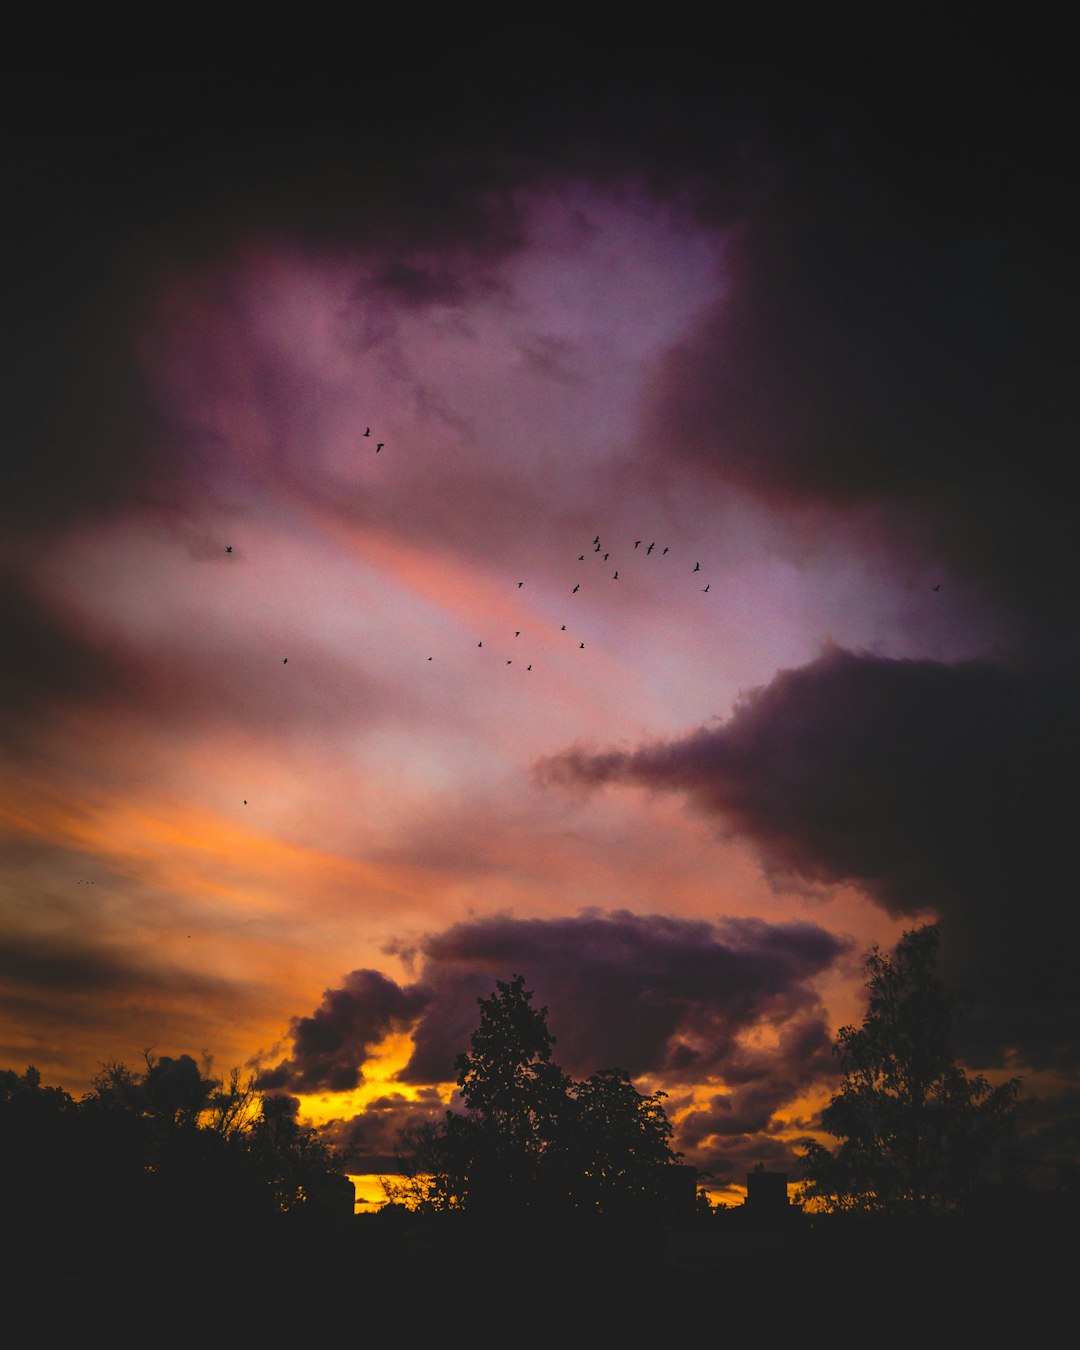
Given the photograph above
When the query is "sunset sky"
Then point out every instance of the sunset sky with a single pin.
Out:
(699, 611)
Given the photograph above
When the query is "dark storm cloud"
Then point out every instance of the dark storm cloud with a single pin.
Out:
(933, 787)
(645, 993)
(906, 249)
(124, 158)
(671, 998)
(330, 1046)
(897, 332)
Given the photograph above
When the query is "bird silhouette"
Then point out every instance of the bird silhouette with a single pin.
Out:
(479, 644)
(937, 588)
(616, 576)
(649, 549)
(509, 663)
(517, 632)
(528, 667)
(664, 550)
(228, 548)
(705, 588)
(367, 431)
(520, 584)
(637, 543)
(581, 644)
(697, 567)
(596, 549)
(245, 801)
(596, 540)
(576, 589)
(284, 660)
(379, 446)
(606, 556)
(581, 557)
(563, 629)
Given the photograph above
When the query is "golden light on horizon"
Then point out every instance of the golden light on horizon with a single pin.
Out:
(385, 1061)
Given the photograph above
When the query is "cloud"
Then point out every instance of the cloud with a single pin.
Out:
(762, 1082)
(652, 995)
(893, 336)
(933, 787)
(331, 1045)
(648, 994)
(369, 1141)
(677, 1001)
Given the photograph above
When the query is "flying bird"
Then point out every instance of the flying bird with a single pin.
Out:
(606, 556)
(637, 543)
(576, 589)
(228, 548)
(649, 549)
(479, 644)
(517, 632)
(528, 667)
(616, 576)
(379, 446)
(509, 663)
(596, 540)
(664, 550)
(563, 629)
(520, 584)
(367, 431)
(581, 644)
(284, 660)
(697, 567)
(581, 557)
(938, 587)
(705, 588)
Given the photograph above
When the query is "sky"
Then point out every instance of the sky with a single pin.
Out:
(490, 498)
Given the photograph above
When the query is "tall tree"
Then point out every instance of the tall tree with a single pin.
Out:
(916, 1132)
(532, 1137)
(515, 1093)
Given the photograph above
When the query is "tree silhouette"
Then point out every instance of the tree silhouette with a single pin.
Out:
(531, 1137)
(163, 1146)
(515, 1093)
(915, 1131)
(615, 1144)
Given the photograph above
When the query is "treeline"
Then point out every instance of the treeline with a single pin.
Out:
(916, 1134)
(164, 1143)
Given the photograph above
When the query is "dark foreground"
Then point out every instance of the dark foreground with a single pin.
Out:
(515, 1282)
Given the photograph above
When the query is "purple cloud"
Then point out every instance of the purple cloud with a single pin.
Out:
(331, 1045)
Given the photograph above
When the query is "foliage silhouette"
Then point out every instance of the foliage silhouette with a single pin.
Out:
(916, 1132)
(164, 1146)
(531, 1137)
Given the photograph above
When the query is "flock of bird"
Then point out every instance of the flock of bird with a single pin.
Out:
(605, 556)
(596, 548)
